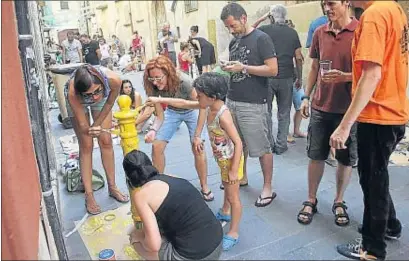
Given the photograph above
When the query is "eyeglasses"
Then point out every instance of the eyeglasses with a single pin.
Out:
(156, 79)
(90, 96)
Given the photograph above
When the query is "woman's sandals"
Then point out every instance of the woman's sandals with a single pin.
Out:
(91, 205)
(342, 218)
(117, 195)
(309, 215)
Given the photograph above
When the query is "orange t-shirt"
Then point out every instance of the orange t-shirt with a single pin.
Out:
(382, 38)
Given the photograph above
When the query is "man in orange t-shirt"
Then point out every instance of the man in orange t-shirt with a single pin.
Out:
(381, 107)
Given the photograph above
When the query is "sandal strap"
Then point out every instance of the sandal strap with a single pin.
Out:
(339, 205)
(310, 204)
(304, 213)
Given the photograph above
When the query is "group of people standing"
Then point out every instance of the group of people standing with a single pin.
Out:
(196, 50)
(359, 108)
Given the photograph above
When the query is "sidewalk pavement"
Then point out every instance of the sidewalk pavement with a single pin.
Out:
(265, 233)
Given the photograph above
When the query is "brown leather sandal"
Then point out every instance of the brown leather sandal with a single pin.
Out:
(91, 205)
(117, 195)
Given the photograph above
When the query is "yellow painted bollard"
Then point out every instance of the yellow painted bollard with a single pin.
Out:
(129, 139)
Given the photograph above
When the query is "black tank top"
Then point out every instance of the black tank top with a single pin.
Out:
(186, 221)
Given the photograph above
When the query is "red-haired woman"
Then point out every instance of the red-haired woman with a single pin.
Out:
(162, 79)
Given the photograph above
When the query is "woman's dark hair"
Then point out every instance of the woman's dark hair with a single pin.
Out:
(132, 94)
(194, 28)
(212, 84)
(138, 168)
(84, 77)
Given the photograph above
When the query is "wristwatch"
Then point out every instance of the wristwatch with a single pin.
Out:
(305, 97)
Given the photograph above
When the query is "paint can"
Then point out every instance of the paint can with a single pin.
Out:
(107, 254)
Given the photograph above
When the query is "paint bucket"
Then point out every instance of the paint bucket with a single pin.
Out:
(107, 254)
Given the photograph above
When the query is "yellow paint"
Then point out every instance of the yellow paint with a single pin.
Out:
(129, 137)
(98, 234)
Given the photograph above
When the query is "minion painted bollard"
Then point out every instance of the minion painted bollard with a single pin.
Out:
(129, 139)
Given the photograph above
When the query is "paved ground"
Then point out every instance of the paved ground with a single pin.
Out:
(266, 233)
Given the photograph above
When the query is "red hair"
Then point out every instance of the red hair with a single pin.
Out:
(165, 64)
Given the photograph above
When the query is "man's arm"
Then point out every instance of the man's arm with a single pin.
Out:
(270, 68)
(63, 53)
(312, 77)
(371, 75)
(267, 53)
(260, 20)
(299, 60)
(80, 54)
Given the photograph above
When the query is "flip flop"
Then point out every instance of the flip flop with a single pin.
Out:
(206, 194)
(261, 205)
(229, 242)
(299, 136)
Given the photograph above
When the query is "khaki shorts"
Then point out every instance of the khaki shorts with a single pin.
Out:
(251, 123)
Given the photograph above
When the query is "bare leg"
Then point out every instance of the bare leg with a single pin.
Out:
(201, 168)
(266, 162)
(315, 172)
(108, 158)
(297, 124)
(232, 194)
(86, 146)
(158, 155)
(343, 177)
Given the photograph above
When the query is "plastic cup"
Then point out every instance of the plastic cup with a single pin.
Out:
(325, 66)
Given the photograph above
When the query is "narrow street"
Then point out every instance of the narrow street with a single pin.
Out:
(266, 233)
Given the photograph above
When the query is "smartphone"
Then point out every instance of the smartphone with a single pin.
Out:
(226, 63)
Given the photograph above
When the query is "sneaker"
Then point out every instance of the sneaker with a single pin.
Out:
(354, 250)
(391, 235)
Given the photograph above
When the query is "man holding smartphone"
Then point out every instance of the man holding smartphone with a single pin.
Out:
(253, 60)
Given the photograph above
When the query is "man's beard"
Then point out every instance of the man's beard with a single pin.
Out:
(242, 33)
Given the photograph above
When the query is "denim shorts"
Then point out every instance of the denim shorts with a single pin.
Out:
(297, 96)
(93, 107)
(172, 121)
(251, 121)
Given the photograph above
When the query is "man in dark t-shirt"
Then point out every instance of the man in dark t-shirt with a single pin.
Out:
(90, 49)
(252, 59)
(287, 45)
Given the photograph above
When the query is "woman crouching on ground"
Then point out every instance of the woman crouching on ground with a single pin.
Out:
(177, 223)
(162, 79)
(94, 88)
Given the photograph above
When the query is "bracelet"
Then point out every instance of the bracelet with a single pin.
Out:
(305, 97)
(152, 129)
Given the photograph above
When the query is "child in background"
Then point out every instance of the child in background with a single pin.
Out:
(226, 143)
(184, 58)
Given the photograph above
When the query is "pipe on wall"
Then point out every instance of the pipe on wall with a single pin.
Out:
(35, 106)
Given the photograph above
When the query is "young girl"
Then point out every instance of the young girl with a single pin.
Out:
(184, 58)
(226, 143)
